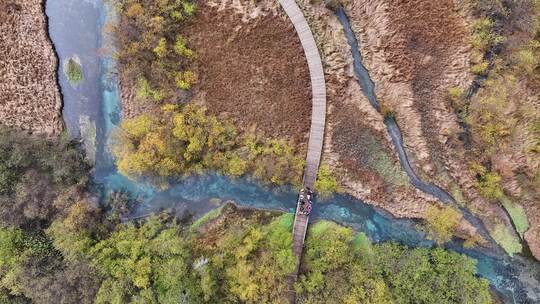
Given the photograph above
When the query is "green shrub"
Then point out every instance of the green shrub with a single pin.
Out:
(161, 49)
(490, 186)
(441, 223)
(181, 49)
(144, 91)
(236, 166)
(184, 80)
(480, 68)
(326, 183)
(362, 244)
(528, 58)
(506, 239)
(455, 94)
(487, 183)
(74, 72)
(483, 36)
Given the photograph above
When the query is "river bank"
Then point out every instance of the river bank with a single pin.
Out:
(398, 46)
(30, 98)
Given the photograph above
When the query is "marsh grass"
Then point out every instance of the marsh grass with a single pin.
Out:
(213, 214)
(517, 214)
(504, 237)
(383, 163)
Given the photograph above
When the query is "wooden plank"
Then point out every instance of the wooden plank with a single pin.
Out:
(318, 88)
(316, 134)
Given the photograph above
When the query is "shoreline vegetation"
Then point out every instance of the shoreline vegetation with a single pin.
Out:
(186, 140)
(502, 118)
(182, 138)
(58, 245)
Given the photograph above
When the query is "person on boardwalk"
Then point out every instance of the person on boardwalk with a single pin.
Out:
(316, 133)
(307, 208)
(304, 201)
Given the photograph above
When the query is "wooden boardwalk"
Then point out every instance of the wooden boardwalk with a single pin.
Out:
(316, 134)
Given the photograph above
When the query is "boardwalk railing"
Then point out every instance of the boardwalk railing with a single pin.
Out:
(316, 133)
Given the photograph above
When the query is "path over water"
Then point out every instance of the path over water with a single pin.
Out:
(318, 120)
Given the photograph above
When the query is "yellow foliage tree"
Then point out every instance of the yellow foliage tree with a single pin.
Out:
(441, 223)
(184, 140)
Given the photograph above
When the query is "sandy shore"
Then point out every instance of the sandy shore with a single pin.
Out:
(29, 95)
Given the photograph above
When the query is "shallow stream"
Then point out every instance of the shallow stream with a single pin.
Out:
(76, 29)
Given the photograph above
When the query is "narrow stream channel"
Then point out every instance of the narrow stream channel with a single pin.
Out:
(368, 88)
(75, 28)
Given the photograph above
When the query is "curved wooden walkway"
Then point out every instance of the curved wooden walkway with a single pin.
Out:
(316, 133)
(318, 89)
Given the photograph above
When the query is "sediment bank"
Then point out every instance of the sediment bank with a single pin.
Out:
(30, 98)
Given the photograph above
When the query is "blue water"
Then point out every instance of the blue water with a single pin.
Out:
(65, 22)
(200, 194)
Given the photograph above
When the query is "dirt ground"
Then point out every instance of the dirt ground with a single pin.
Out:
(29, 96)
(253, 72)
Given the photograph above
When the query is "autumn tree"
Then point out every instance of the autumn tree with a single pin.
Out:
(260, 263)
(184, 140)
(146, 264)
(181, 142)
(33, 171)
(336, 271)
(441, 223)
(151, 50)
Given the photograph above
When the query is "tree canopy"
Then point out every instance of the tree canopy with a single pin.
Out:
(343, 268)
(151, 50)
(78, 252)
(184, 140)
